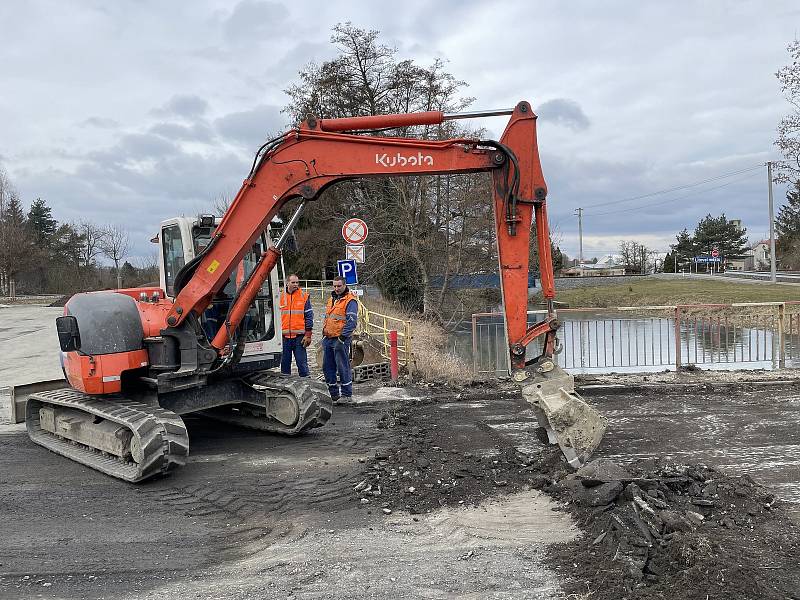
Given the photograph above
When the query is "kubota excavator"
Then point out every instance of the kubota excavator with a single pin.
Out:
(138, 359)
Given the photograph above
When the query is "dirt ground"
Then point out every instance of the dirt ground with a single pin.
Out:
(449, 496)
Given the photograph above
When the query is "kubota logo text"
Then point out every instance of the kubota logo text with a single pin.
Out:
(398, 160)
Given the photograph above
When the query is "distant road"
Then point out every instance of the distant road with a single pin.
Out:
(739, 277)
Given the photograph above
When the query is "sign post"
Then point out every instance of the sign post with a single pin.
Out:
(354, 232)
(714, 254)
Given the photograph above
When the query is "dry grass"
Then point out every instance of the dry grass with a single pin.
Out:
(430, 359)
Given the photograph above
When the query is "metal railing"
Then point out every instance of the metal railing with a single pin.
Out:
(378, 326)
(318, 288)
(638, 339)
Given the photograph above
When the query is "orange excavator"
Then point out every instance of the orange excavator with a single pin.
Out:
(138, 359)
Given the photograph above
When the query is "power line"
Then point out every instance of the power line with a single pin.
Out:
(650, 205)
(676, 188)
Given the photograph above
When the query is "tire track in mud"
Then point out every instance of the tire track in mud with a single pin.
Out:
(284, 479)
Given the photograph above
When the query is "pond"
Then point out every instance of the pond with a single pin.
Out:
(605, 342)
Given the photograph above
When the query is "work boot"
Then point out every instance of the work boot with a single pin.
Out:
(345, 400)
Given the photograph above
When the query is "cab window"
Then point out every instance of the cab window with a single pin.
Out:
(174, 258)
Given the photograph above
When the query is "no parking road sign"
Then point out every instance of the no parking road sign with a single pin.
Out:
(347, 269)
(354, 231)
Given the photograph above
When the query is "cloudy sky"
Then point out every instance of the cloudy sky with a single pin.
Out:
(131, 112)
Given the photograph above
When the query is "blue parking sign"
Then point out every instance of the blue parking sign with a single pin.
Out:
(347, 269)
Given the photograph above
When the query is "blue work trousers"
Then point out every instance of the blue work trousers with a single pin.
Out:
(292, 345)
(336, 360)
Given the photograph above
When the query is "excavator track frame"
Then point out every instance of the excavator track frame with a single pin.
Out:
(314, 405)
(160, 434)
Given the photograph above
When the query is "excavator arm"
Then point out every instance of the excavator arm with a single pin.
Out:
(319, 153)
(305, 161)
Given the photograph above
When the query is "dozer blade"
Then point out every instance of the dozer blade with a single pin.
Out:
(569, 421)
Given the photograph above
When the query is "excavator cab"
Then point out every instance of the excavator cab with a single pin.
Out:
(180, 239)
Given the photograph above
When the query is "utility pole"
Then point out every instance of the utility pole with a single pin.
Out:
(772, 276)
(580, 239)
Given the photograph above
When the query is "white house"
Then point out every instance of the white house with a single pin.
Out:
(760, 258)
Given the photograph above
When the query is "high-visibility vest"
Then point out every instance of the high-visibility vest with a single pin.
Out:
(336, 314)
(293, 312)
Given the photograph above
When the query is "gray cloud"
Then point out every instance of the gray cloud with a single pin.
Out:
(188, 106)
(136, 147)
(564, 111)
(251, 21)
(251, 128)
(198, 132)
(100, 123)
(630, 112)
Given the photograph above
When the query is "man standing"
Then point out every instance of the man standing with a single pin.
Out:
(341, 316)
(297, 323)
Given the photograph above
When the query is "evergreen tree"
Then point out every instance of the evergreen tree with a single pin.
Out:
(41, 223)
(558, 257)
(16, 249)
(13, 215)
(787, 229)
(684, 247)
(669, 262)
(129, 273)
(718, 232)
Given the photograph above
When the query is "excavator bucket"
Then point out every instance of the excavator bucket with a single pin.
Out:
(569, 421)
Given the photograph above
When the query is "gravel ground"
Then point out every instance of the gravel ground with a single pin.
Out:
(429, 494)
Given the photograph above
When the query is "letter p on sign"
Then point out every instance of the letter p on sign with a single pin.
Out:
(347, 269)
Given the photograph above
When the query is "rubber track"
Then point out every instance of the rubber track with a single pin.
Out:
(161, 433)
(315, 405)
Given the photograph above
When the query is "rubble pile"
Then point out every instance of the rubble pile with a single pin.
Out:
(417, 477)
(651, 529)
(654, 530)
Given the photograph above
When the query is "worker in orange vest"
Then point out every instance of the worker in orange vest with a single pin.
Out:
(297, 324)
(341, 317)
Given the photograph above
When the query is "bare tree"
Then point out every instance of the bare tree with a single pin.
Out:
(429, 226)
(114, 244)
(634, 256)
(789, 127)
(221, 204)
(92, 239)
(148, 266)
(6, 191)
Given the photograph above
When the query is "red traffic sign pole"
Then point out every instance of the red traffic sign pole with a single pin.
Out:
(394, 363)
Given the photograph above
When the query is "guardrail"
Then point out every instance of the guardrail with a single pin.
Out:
(319, 288)
(378, 326)
(651, 338)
